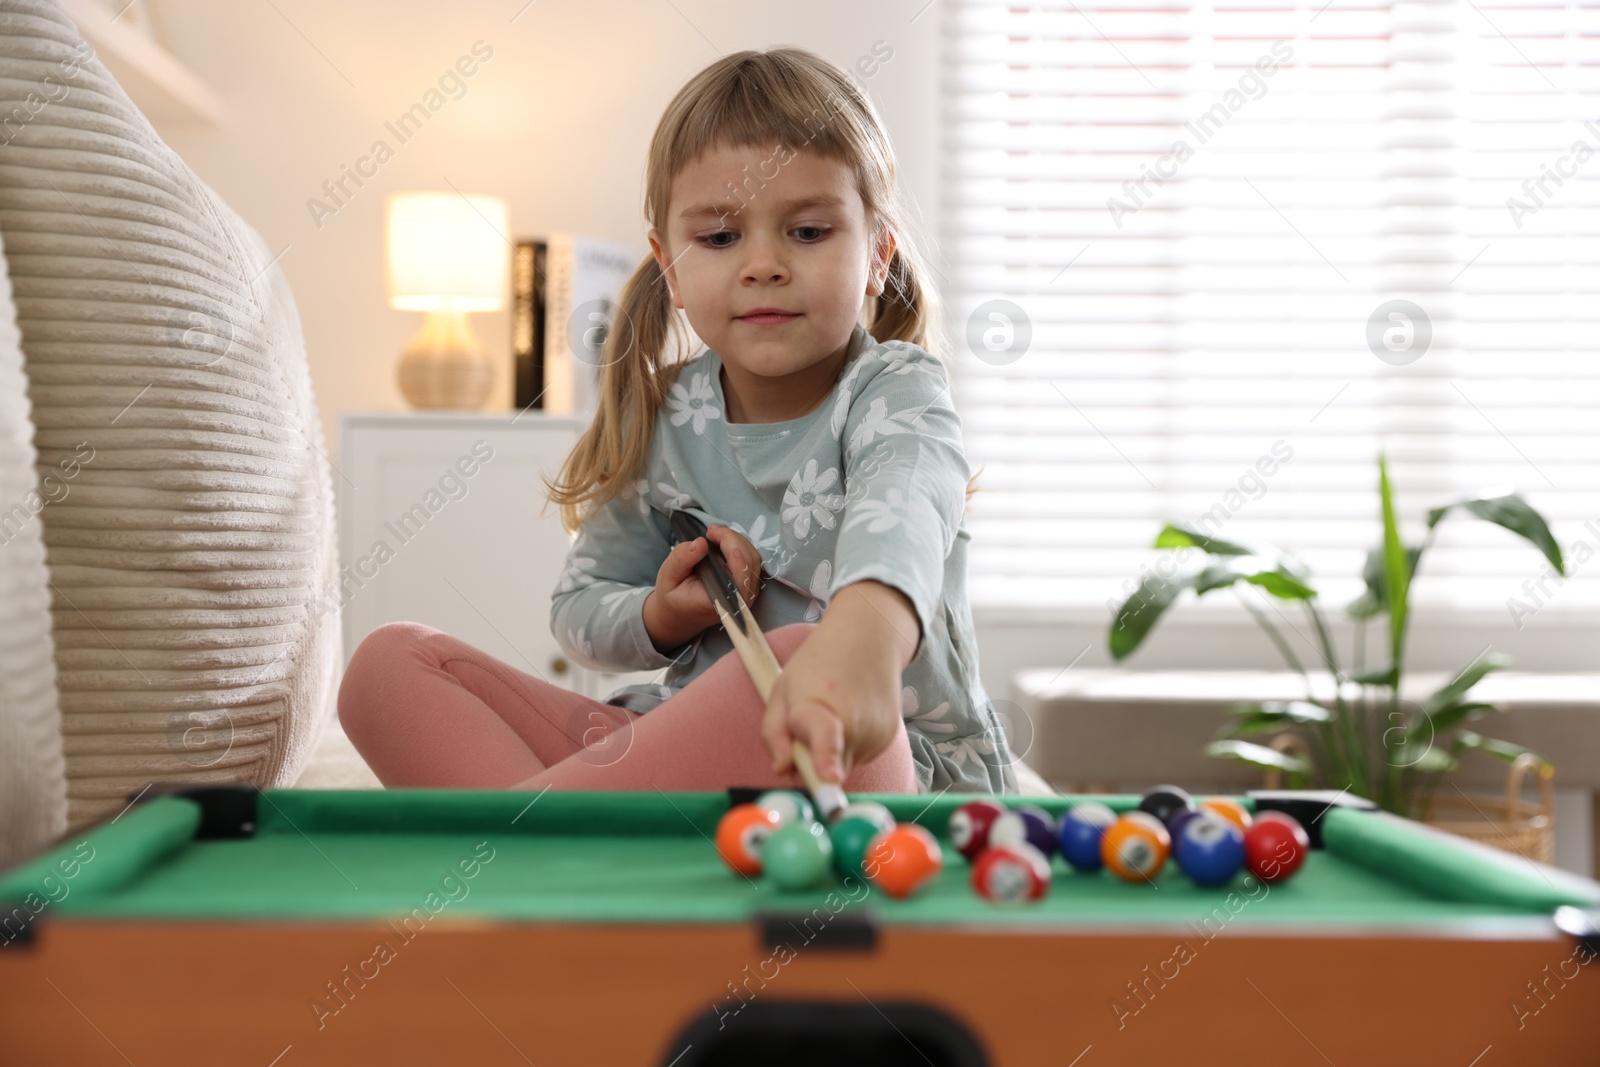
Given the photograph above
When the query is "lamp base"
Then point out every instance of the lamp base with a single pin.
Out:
(445, 366)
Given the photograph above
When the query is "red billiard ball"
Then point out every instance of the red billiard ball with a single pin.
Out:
(1275, 846)
(970, 825)
(1011, 874)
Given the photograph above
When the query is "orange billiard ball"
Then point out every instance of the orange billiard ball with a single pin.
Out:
(1229, 809)
(903, 860)
(741, 833)
(1136, 846)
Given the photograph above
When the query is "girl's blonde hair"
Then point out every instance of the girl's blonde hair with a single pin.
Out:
(780, 97)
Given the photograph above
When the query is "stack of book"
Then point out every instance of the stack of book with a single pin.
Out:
(564, 293)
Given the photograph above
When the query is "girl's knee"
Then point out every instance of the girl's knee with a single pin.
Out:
(786, 639)
(375, 660)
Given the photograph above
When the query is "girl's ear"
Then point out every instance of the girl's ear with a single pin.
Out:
(668, 271)
(882, 252)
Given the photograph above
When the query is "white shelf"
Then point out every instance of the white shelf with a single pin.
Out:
(162, 87)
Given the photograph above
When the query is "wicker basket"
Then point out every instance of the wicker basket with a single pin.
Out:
(1508, 823)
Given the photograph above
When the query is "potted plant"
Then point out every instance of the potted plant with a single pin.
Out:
(1355, 733)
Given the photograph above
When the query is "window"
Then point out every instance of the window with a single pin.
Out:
(1199, 217)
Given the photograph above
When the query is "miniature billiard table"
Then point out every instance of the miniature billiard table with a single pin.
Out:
(289, 927)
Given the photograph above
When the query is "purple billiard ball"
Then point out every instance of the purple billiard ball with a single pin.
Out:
(1025, 825)
(1178, 821)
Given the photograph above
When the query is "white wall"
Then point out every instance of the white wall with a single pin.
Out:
(557, 121)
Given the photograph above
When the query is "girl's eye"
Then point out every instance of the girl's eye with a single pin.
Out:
(818, 230)
(710, 239)
(707, 239)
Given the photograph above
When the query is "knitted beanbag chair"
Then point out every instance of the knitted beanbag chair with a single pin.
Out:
(192, 558)
(33, 787)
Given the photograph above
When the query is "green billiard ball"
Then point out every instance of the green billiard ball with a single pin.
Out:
(797, 855)
(850, 836)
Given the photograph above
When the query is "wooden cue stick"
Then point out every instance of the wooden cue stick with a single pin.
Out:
(764, 669)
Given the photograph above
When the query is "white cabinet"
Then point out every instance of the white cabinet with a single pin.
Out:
(443, 520)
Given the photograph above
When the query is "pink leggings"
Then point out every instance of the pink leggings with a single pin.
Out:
(428, 710)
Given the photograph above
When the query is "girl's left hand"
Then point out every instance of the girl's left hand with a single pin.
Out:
(840, 690)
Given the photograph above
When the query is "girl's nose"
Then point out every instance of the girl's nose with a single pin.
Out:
(764, 262)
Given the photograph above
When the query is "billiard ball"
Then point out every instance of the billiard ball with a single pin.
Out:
(1209, 849)
(797, 855)
(741, 833)
(1229, 809)
(1275, 846)
(903, 860)
(1176, 824)
(870, 810)
(1165, 801)
(1026, 824)
(970, 825)
(788, 804)
(1135, 847)
(1082, 827)
(1011, 874)
(850, 836)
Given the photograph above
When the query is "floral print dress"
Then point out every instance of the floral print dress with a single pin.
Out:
(869, 485)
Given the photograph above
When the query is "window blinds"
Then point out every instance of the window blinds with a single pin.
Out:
(1192, 212)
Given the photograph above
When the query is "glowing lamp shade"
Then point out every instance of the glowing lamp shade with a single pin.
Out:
(447, 255)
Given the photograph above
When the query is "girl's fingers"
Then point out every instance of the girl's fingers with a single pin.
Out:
(681, 560)
(823, 734)
(775, 732)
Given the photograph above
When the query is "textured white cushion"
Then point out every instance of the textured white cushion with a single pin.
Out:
(193, 562)
(33, 785)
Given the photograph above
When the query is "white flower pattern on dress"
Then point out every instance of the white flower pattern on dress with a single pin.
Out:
(880, 515)
(821, 578)
(579, 641)
(805, 501)
(841, 406)
(614, 601)
(879, 422)
(928, 722)
(578, 572)
(693, 404)
(675, 497)
(756, 535)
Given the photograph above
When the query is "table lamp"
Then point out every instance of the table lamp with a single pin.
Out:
(447, 255)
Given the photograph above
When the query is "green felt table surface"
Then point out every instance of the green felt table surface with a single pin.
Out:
(649, 858)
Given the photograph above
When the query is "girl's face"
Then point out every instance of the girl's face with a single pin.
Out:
(755, 228)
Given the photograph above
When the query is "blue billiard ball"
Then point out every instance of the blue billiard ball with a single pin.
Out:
(1082, 827)
(1210, 849)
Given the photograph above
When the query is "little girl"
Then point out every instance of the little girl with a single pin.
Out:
(825, 457)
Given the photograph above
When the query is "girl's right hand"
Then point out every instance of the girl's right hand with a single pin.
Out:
(679, 607)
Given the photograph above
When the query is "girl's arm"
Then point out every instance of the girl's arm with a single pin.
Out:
(905, 477)
(840, 690)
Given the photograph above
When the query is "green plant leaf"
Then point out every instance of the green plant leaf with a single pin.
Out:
(1509, 510)
(1177, 535)
(1259, 756)
(1453, 690)
(1430, 760)
(1281, 585)
(1397, 567)
(1450, 717)
(1138, 614)
(1376, 676)
(1267, 715)
(1500, 750)
(1375, 600)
